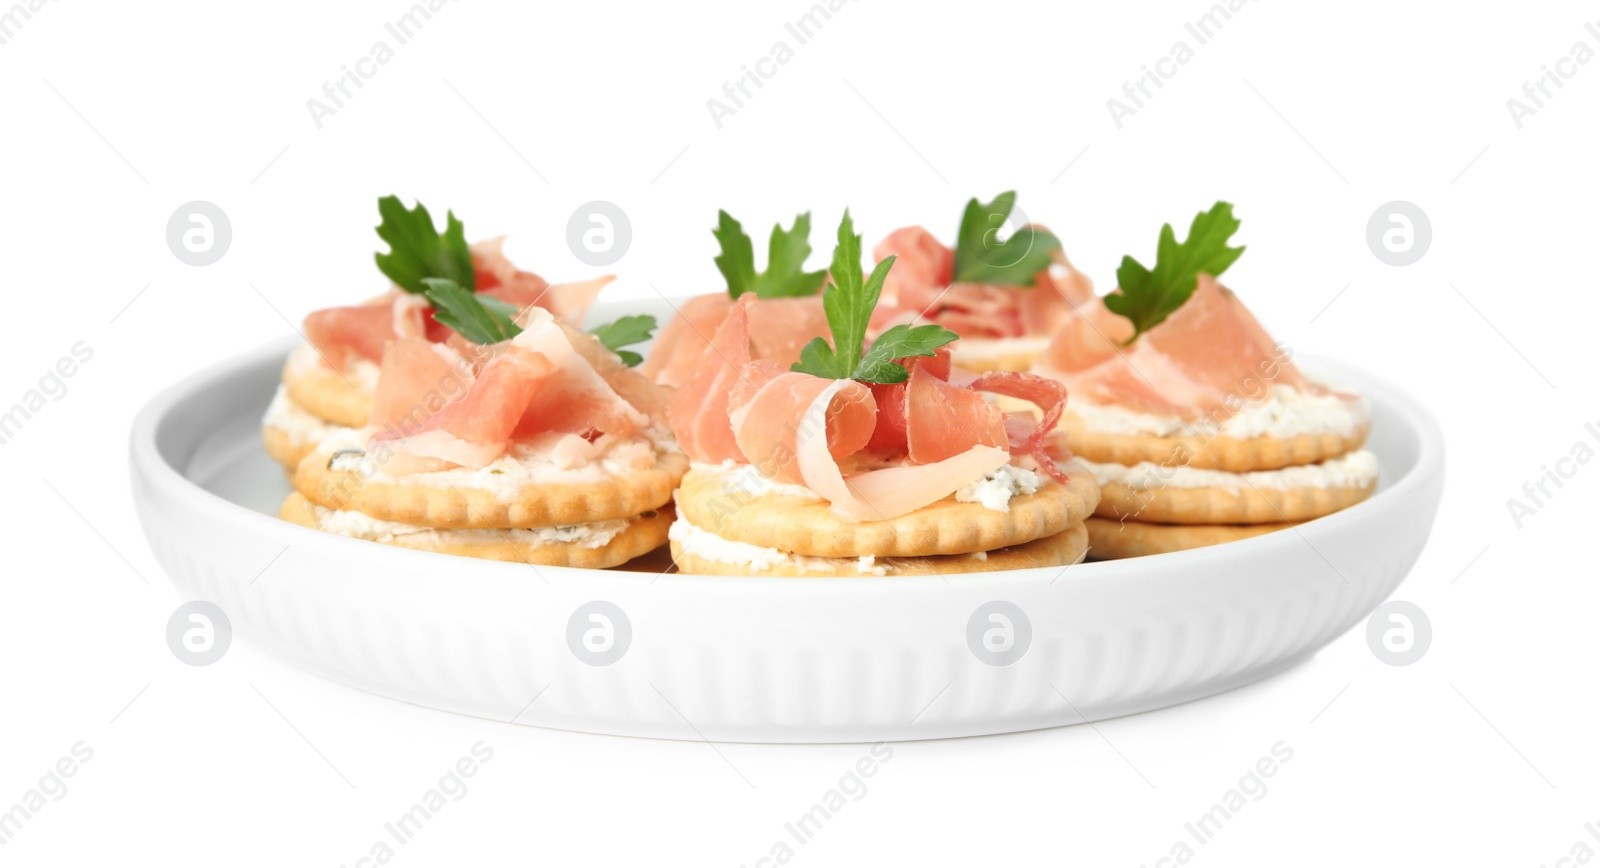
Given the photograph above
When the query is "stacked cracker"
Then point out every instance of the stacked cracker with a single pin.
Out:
(802, 475)
(734, 521)
(1193, 484)
(1196, 423)
(594, 525)
(328, 383)
(556, 454)
(314, 402)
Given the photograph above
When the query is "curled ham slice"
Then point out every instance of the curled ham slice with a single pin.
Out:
(475, 430)
(888, 493)
(774, 413)
(796, 428)
(889, 436)
(1025, 435)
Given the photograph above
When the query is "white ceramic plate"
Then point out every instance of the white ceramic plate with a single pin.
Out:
(753, 659)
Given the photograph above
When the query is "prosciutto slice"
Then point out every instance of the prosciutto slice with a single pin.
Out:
(921, 287)
(416, 380)
(575, 398)
(362, 331)
(498, 277)
(699, 411)
(683, 340)
(778, 329)
(1208, 358)
(887, 493)
(475, 430)
(774, 413)
(1025, 435)
(944, 420)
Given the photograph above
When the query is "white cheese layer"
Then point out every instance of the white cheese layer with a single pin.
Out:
(361, 373)
(746, 481)
(702, 543)
(549, 458)
(973, 352)
(1286, 412)
(362, 526)
(1353, 470)
(993, 491)
(996, 489)
(300, 424)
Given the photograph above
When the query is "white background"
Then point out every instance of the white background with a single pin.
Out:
(1307, 116)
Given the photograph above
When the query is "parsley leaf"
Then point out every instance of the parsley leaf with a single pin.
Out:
(848, 301)
(900, 342)
(1146, 297)
(418, 251)
(786, 258)
(481, 319)
(981, 257)
(624, 331)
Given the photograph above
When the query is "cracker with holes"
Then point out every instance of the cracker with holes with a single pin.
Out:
(1110, 539)
(590, 545)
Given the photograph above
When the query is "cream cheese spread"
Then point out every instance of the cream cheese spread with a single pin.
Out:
(1353, 470)
(362, 526)
(701, 543)
(1286, 412)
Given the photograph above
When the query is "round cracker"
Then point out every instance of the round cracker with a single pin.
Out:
(1110, 539)
(1213, 505)
(1059, 550)
(541, 504)
(644, 534)
(284, 448)
(808, 525)
(1232, 454)
(992, 354)
(324, 392)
